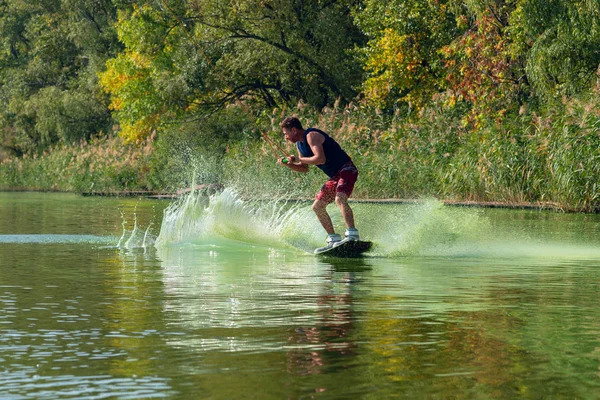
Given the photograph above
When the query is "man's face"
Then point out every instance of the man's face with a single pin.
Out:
(289, 134)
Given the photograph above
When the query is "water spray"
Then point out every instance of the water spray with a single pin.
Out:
(145, 237)
(123, 225)
(135, 229)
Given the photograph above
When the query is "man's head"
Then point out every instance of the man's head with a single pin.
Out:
(292, 129)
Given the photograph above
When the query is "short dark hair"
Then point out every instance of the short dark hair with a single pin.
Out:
(291, 122)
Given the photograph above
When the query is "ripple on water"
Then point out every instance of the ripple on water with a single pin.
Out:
(24, 383)
(56, 239)
(56, 352)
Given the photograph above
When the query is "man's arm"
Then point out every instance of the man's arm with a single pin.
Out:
(315, 141)
(300, 164)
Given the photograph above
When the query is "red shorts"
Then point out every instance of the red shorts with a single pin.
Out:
(342, 182)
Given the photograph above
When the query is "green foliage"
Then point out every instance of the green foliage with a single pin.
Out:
(282, 50)
(465, 99)
(494, 55)
(549, 157)
(402, 57)
(481, 70)
(52, 51)
(564, 57)
(130, 77)
(187, 59)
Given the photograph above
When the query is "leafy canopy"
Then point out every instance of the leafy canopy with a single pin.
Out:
(51, 51)
(188, 59)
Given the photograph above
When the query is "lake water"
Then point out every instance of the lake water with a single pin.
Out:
(222, 299)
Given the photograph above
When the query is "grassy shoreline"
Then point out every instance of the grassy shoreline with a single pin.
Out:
(537, 206)
(545, 160)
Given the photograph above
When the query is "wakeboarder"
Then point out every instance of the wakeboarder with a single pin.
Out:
(316, 147)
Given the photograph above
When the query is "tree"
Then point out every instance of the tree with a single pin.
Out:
(289, 48)
(402, 57)
(482, 68)
(197, 57)
(51, 53)
(561, 38)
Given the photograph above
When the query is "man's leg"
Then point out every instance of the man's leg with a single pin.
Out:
(345, 185)
(319, 207)
(341, 199)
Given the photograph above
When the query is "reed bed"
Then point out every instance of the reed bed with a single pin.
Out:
(102, 164)
(550, 156)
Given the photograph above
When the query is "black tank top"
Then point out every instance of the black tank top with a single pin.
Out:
(335, 157)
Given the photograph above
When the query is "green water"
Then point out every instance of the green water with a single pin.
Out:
(106, 298)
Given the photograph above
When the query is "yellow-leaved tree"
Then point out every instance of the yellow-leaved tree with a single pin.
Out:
(402, 57)
(143, 80)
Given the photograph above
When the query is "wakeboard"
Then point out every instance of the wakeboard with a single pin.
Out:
(349, 249)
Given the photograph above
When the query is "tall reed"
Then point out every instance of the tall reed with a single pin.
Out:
(102, 164)
(550, 155)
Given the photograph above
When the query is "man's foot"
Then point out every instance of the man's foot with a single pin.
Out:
(331, 241)
(351, 235)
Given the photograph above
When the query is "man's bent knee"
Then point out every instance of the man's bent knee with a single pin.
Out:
(319, 206)
(341, 199)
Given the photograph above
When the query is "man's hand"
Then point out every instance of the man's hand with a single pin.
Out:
(289, 161)
(293, 163)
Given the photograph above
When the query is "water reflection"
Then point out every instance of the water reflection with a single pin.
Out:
(77, 324)
(328, 343)
(282, 312)
(381, 325)
(220, 318)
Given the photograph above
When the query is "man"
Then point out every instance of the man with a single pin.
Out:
(315, 147)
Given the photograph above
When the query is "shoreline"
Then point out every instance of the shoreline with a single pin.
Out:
(539, 206)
